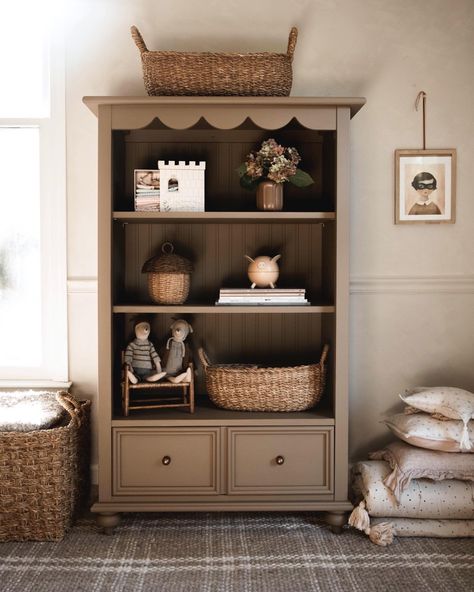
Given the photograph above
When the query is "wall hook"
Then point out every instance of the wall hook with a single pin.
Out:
(421, 96)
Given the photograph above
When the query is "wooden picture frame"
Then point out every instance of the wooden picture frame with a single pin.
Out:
(425, 186)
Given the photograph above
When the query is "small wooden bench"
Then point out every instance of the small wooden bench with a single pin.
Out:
(183, 398)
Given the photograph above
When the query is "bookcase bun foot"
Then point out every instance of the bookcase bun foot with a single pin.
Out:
(336, 520)
(107, 521)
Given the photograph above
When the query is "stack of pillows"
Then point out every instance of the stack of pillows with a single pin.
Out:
(423, 483)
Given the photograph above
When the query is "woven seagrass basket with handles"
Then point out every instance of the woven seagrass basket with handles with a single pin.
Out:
(45, 476)
(250, 388)
(169, 276)
(217, 74)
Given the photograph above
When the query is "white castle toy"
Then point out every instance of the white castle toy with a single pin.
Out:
(181, 186)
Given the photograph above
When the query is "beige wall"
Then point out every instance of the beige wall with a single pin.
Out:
(412, 303)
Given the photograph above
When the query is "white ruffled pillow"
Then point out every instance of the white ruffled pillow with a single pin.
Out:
(450, 402)
(422, 430)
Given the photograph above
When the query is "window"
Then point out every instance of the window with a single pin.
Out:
(33, 316)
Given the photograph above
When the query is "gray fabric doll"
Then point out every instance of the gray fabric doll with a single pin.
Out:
(177, 354)
(141, 359)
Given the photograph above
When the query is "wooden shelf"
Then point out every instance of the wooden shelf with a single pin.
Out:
(228, 309)
(223, 217)
(208, 414)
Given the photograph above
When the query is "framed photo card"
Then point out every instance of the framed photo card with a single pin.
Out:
(425, 186)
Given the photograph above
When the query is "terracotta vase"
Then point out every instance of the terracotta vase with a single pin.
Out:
(270, 196)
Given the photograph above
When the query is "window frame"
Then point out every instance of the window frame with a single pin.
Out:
(54, 369)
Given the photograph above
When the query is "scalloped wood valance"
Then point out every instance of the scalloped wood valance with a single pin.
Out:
(222, 112)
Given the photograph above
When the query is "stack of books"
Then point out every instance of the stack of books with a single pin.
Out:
(147, 199)
(262, 296)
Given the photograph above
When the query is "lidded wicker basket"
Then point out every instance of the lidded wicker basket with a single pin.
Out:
(218, 74)
(250, 388)
(169, 276)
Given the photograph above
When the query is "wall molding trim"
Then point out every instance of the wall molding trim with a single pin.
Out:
(413, 284)
(364, 284)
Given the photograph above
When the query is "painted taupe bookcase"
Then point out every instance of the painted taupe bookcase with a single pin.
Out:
(218, 459)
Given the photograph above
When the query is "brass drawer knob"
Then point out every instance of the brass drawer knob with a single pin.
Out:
(166, 460)
(280, 460)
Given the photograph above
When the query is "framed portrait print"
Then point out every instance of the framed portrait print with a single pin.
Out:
(425, 186)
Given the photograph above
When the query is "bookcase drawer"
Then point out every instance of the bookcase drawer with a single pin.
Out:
(161, 461)
(290, 460)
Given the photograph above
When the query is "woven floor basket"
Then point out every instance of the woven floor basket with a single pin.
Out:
(44, 476)
(217, 74)
(293, 388)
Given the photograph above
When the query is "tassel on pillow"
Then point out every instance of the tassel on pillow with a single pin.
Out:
(360, 518)
(380, 534)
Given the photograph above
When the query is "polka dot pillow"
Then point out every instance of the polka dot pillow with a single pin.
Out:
(450, 402)
(411, 462)
(422, 430)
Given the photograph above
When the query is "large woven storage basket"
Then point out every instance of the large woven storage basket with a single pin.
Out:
(169, 276)
(44, 476)
(207, 73)
(248, 388)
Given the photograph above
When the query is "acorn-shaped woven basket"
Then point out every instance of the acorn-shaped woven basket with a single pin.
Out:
(169, 276)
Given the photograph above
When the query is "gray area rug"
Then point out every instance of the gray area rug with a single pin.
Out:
(227, 552)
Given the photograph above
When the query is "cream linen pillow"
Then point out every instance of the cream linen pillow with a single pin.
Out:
(423, 498)
(451, 402)
(425, 431)
(421, 527)
(409, 462)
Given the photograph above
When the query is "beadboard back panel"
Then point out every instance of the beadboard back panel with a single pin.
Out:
(267, 339)
(217, 252)
(224, 151)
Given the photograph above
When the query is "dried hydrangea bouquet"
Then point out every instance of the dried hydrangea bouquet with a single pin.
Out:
(267, 169)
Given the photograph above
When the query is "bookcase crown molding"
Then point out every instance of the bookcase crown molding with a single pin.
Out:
(224, 112)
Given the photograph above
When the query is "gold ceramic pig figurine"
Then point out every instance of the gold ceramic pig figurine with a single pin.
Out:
(263, 271)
